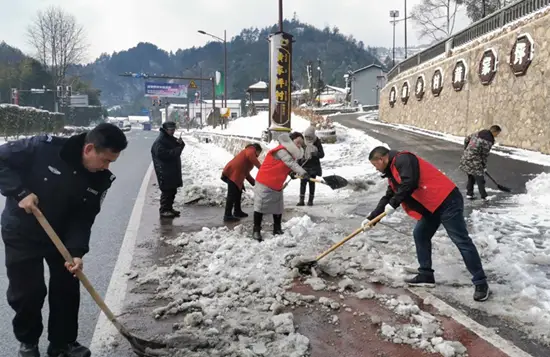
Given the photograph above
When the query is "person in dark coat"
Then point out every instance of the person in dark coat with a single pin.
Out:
(431, 198)
(67, 179)
(234, 174)
(477, 147)
(311, 162)
(166, 152)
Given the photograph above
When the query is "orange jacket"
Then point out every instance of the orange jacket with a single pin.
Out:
(273, 172)
(240, 166)
(433, 186)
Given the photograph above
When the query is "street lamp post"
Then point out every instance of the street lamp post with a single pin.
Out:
(394, 14)
(224, 41)
(405, 29)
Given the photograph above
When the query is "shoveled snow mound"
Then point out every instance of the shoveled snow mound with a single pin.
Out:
(202, 166)
(230, 288)
(255, 125)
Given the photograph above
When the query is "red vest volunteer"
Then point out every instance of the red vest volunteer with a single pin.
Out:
(273, 172)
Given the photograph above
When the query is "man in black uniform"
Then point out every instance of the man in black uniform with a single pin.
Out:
(67, 179)
(166, 152)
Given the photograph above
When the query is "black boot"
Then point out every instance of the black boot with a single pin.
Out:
(310, 200)
(167, 214)
(176, 213)
(231, 219)
(482, 292)
(277, 230)
(74, 349)
(301, 201)
(28, 350)
(257, 230)
(422, 280)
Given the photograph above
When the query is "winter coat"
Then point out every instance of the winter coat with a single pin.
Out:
(313, 165)
(69, 196)
(477, 147)
(266, 199)
(415, 184)
(166, 152)
(240, 166)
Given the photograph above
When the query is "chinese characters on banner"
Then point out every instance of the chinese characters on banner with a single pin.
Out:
(437, 82)
(280, 81)
(521, 57)
(488, 66)
(405, 92)
(419, 88)
(459, 75)
(393, 96)
(521, 54)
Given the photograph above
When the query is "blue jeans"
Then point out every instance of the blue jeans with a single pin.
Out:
(451, 215)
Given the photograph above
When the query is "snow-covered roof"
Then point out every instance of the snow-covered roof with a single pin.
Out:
(138, 118)
(259, 85)
(337, 89)
(368, 67)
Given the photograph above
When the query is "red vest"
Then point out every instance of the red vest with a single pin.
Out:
(433, 186)
(273, 172)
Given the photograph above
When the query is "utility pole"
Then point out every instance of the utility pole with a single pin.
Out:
(281, 15)
(406, 29)
(225, 66)
(394, 14)
(483, 8)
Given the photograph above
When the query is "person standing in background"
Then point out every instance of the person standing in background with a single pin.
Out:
(311, 162)
(166, 153)
(477, 147)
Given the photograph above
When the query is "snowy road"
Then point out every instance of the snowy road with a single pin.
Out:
(216, 282)
(107, 235)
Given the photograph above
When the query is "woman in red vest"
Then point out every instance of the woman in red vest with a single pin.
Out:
(234, 174)
(430, 197)
(268, 192)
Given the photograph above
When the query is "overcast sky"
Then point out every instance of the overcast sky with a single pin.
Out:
(115, 25)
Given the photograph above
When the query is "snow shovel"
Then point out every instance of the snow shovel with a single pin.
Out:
(141, 347)
(333, 181)
(500, 187)
(305, 266)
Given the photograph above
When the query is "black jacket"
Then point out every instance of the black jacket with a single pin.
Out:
(409, 171)
(69, 195)
(166, 152)
(313, 165)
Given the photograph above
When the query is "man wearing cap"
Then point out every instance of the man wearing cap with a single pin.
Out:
(166, 152)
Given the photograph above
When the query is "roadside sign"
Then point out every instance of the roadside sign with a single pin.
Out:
(192, 84)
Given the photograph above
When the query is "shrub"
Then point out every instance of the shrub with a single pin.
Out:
(16, 121)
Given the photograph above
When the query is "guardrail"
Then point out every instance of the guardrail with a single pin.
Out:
(492, 22)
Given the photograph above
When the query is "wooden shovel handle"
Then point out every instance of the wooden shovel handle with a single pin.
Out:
(69, 259)
(356, 232)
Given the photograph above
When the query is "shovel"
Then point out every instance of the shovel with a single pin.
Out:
(500, 187)
(141, 347)
(305, 266)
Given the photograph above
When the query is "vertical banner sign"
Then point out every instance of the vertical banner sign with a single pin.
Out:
(220, 82)
(280, 81)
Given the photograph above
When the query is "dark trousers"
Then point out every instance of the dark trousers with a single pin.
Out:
(277, 221)
(451, 215)
(233, 200)
(26, 294)
(167, 198)
(303, 185)
(480, 180)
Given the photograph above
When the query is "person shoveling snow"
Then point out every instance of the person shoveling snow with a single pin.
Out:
(430, 197)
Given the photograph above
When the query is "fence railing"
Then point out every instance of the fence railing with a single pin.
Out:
(492, 22)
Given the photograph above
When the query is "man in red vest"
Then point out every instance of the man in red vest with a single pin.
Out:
(430, 197)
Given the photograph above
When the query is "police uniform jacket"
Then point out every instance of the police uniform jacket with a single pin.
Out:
(69, 196)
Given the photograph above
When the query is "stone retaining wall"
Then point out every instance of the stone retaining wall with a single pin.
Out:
(519, 104)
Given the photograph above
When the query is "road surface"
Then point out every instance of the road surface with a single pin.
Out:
(107, 235)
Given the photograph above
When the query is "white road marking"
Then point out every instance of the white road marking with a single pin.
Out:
(485, 333)
(104, 330)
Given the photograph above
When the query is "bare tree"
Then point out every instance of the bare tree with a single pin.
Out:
(59, 41)
(436, 18)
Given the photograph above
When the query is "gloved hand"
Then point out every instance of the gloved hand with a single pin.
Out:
(389, 210)
(305, 176)
(365, 224)
(292, 175)
(253, 183)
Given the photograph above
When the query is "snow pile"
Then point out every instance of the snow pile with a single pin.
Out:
(202, 166)
(232, 289)
(511, 152)
(255, 125)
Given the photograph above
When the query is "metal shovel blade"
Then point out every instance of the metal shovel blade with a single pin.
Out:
(144, 348)
(335, 182)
